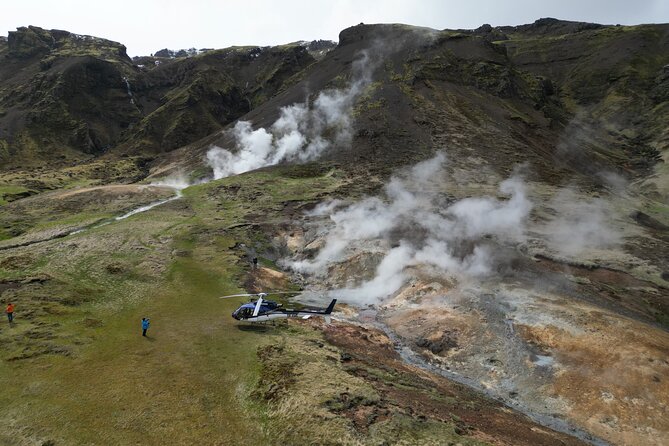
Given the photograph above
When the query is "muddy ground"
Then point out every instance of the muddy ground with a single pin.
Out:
(347, 383)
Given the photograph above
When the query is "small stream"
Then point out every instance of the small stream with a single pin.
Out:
(150, 206)
(97, 224)
(129, 90)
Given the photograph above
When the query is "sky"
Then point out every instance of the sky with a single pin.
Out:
(146, 26)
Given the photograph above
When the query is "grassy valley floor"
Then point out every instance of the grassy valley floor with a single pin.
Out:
(188, 382)
(76, 370)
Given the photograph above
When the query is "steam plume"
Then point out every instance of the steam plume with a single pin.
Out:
(417, 228)
(298, 134)
(177, 181)
(580, 225)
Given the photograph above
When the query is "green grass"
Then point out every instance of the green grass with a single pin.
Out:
(181, 385)
(188, 383)
(79, 219)
(9, 189)
(93, 379)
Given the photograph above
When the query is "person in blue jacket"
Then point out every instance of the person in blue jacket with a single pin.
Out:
(145, 325)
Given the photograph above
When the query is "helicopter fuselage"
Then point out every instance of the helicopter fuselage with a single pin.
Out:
(264, 311)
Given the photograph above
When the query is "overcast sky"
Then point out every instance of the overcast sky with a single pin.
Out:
(145, 26)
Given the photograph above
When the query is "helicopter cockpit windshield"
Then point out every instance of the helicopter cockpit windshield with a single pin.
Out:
(243, 312)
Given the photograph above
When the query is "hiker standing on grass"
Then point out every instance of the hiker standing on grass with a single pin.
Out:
(255, 263)
(10, 312)
(145, 325)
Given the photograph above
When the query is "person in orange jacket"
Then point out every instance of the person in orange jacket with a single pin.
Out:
(10, 312)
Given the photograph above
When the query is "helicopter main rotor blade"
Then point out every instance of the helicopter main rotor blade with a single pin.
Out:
(239, 295)
(285, 292)
(260, 294)
(256, 310)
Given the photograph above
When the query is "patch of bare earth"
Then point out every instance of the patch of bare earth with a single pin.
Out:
(614, 375)
(606, 372)
(369, 354)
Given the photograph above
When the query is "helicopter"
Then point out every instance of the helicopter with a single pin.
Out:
(263, 310)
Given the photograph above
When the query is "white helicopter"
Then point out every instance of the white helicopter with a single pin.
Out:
(263, 310)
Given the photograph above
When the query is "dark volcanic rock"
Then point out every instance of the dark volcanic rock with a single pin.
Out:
(74, 96)
(550, 25)
(509, 94)
(26, 42)
(446, 342)
(164, 53)
(648, 221)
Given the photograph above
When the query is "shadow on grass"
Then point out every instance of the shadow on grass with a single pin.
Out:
(255, 328)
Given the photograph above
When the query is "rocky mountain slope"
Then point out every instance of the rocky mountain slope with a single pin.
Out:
(595, 95)
(490, 206)
(67, 97)
(564, 95)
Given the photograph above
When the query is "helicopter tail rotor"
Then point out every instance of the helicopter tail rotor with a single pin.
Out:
(330, 307)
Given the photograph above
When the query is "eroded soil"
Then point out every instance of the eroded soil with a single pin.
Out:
(347, 384)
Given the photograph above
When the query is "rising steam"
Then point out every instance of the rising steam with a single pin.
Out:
(418, 227)
(298, 134)
(580, 225)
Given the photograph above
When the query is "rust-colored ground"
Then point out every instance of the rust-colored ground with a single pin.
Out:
(477, 416)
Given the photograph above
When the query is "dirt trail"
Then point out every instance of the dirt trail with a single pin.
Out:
(113, 188)
(32, 238)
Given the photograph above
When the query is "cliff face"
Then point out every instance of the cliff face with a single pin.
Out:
(566, 97)
(66, 97)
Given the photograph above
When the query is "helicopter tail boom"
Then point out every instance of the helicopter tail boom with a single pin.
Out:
(327, 310)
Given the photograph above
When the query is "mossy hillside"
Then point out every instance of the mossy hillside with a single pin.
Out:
(4, 146)
(29, 41)
(261, 196)
(464, 118)
(45, 215)
(476, 98)
(190, 112)
(74, 96)
(92, 173)
(10, 192)
(65, 92)
(521, 75)
(612, 74)
(189, 99)
(78, 126)
(542, 75)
